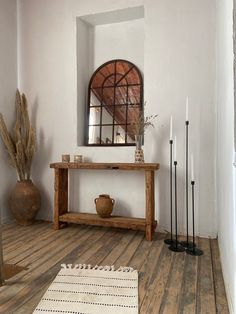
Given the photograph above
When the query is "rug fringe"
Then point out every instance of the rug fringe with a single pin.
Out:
(125, 269)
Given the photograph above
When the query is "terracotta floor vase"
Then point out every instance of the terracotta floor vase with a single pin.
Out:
(25, 202)
(104, 205)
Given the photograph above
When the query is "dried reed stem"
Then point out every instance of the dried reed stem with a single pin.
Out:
(142, 122)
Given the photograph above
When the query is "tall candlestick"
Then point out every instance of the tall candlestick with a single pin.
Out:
(187, 108)
(193, 250)
(176, 246)
(171, 127)
(187, 244)
(175, 150)
(171, 241)
(192, 170)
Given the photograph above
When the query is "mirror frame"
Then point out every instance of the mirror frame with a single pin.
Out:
(132, 66)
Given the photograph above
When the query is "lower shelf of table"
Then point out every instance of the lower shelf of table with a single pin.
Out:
(113, 221)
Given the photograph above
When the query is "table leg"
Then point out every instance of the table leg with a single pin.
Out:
(60, 195)
(150, 203)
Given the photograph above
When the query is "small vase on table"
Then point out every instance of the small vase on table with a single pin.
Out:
(139, 155)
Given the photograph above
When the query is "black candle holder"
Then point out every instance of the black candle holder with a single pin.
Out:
(187, 243)
(171, 240)
(193, 250)
(176, 246)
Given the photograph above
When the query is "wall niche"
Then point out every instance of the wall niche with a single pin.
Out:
(102, 37)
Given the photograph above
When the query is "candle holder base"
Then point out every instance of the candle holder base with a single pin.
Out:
(176, 248)
(188, 244)
(194, 251)
(170, 241)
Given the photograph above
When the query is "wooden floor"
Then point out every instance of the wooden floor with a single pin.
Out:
(168, 282)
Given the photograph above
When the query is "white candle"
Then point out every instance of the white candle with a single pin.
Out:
(175, 150)
(187, 108)
(192, 170)
(171, 128)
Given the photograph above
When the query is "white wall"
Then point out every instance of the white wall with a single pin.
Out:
(85, 48)
(8, 85)
(179, 60)
(124, 40)
(225, 149)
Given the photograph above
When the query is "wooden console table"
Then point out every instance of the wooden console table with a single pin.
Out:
(62, 214)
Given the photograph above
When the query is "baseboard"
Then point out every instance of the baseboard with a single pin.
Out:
(159, 228)
(44, 218)
(211, 235)
(7, 220)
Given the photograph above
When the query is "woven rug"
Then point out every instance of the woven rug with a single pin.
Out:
(81, 289)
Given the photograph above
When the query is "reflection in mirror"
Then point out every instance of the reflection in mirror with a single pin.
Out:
(115, 103)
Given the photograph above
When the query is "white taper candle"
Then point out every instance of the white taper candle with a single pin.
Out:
(175, 150)
(192, 169)
(186, 108)
(171, 128)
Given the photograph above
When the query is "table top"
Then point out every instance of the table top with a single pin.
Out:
(105, 166)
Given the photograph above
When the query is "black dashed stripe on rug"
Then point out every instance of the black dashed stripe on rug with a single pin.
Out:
(91, 284)
(96, 277)
(94, 293)
(59, 311)
(91, 303)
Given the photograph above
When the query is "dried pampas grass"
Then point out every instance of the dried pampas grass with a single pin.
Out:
(21, 144)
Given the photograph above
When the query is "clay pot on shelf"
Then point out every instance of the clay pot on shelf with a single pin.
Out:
(104, 205)
(25, 202)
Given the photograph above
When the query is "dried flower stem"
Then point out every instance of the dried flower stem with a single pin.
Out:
(142, 123)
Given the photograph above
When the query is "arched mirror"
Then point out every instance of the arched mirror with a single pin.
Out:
(114, 103)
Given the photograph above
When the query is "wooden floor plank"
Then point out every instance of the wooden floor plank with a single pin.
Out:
(148, 268)
(15, 229)
(38, 266)
(124, 259)
(206, 294)
(187, 303)
(97, 252)
(156, 288)
(140, 254)
(82, 257)
(24, 234)
(221, 302)
(170, 300)
(120, 248)
(39, 240)
(49, 244)
(98, 249)
(7, 226)
(48, 270)
(74, 257)
(12, 229)
(99, 256)
(107, 260)
(168, 282)
(52, 247)
(31, 303)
